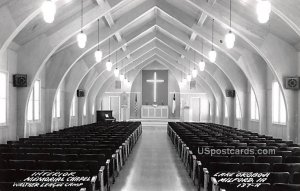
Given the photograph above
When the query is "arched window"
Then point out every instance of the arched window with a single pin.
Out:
(238, 114)
(84, 109)
(93, 109)
(56, 112)
(3, 98)
(254, 106)
(73, 107)
(226, 111)
(34, 105)
(278, 105)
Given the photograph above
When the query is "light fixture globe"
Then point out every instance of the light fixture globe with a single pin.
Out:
(116, 72)
(122, 77)
(194, 73)
(126, 82)
(212, 56)
(263, 18)
(184, 81)
(189, 77)
(263, 10)
(181, 84)
(49, 11)
(81, 39)
(229, 40)
(98, 55)
(108, 65)
(201, 65)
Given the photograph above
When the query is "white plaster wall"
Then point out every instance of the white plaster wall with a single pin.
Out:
(39, 127)
(59, 123)
(8, 63)
(298, 127)
(112, 91)
(283, 57)
(73, 119)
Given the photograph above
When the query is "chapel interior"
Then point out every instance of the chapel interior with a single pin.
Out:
(149, 95)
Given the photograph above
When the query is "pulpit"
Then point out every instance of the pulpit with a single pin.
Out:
(155, 112)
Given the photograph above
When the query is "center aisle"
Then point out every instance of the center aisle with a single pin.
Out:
(154, 165)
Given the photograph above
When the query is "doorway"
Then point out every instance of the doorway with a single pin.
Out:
(114, 105)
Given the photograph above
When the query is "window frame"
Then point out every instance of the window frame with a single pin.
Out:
(73, 108)
(34, 120)
(57, 106)
(93, 109)
(226, 111)
(6, 74)
(84, 112)
(256, 109)
(280, 105)
(238, 112)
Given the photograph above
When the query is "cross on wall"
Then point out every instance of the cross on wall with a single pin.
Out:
(155, 81)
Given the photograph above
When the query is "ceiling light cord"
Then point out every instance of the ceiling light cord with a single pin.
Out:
(98, 35)
(212, 34)
(117, 59)
(109, 49)
(230, 15)
(194, 59)
(202, 50)
(82, 16)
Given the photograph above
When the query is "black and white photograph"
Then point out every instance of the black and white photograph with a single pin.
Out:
(149, 95)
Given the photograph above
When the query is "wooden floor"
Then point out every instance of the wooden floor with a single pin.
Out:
(154, 165)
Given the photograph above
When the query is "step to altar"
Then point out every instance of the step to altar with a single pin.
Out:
(155, 122)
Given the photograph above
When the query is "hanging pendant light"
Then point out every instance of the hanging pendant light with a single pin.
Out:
(127, 81)
(202, 63)
(181, 83)
(189, 76)
(230, 37)
(212, 54)
(81, 37)
(263, 10)
(116, 71)
(229, 40)
(109, 63)
(122, 75)
(195, 71)
(98, 55)
(49, 11)
(98, 52)
(125, 77)
(184, 81)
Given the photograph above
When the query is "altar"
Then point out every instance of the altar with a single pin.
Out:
(155, 112)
